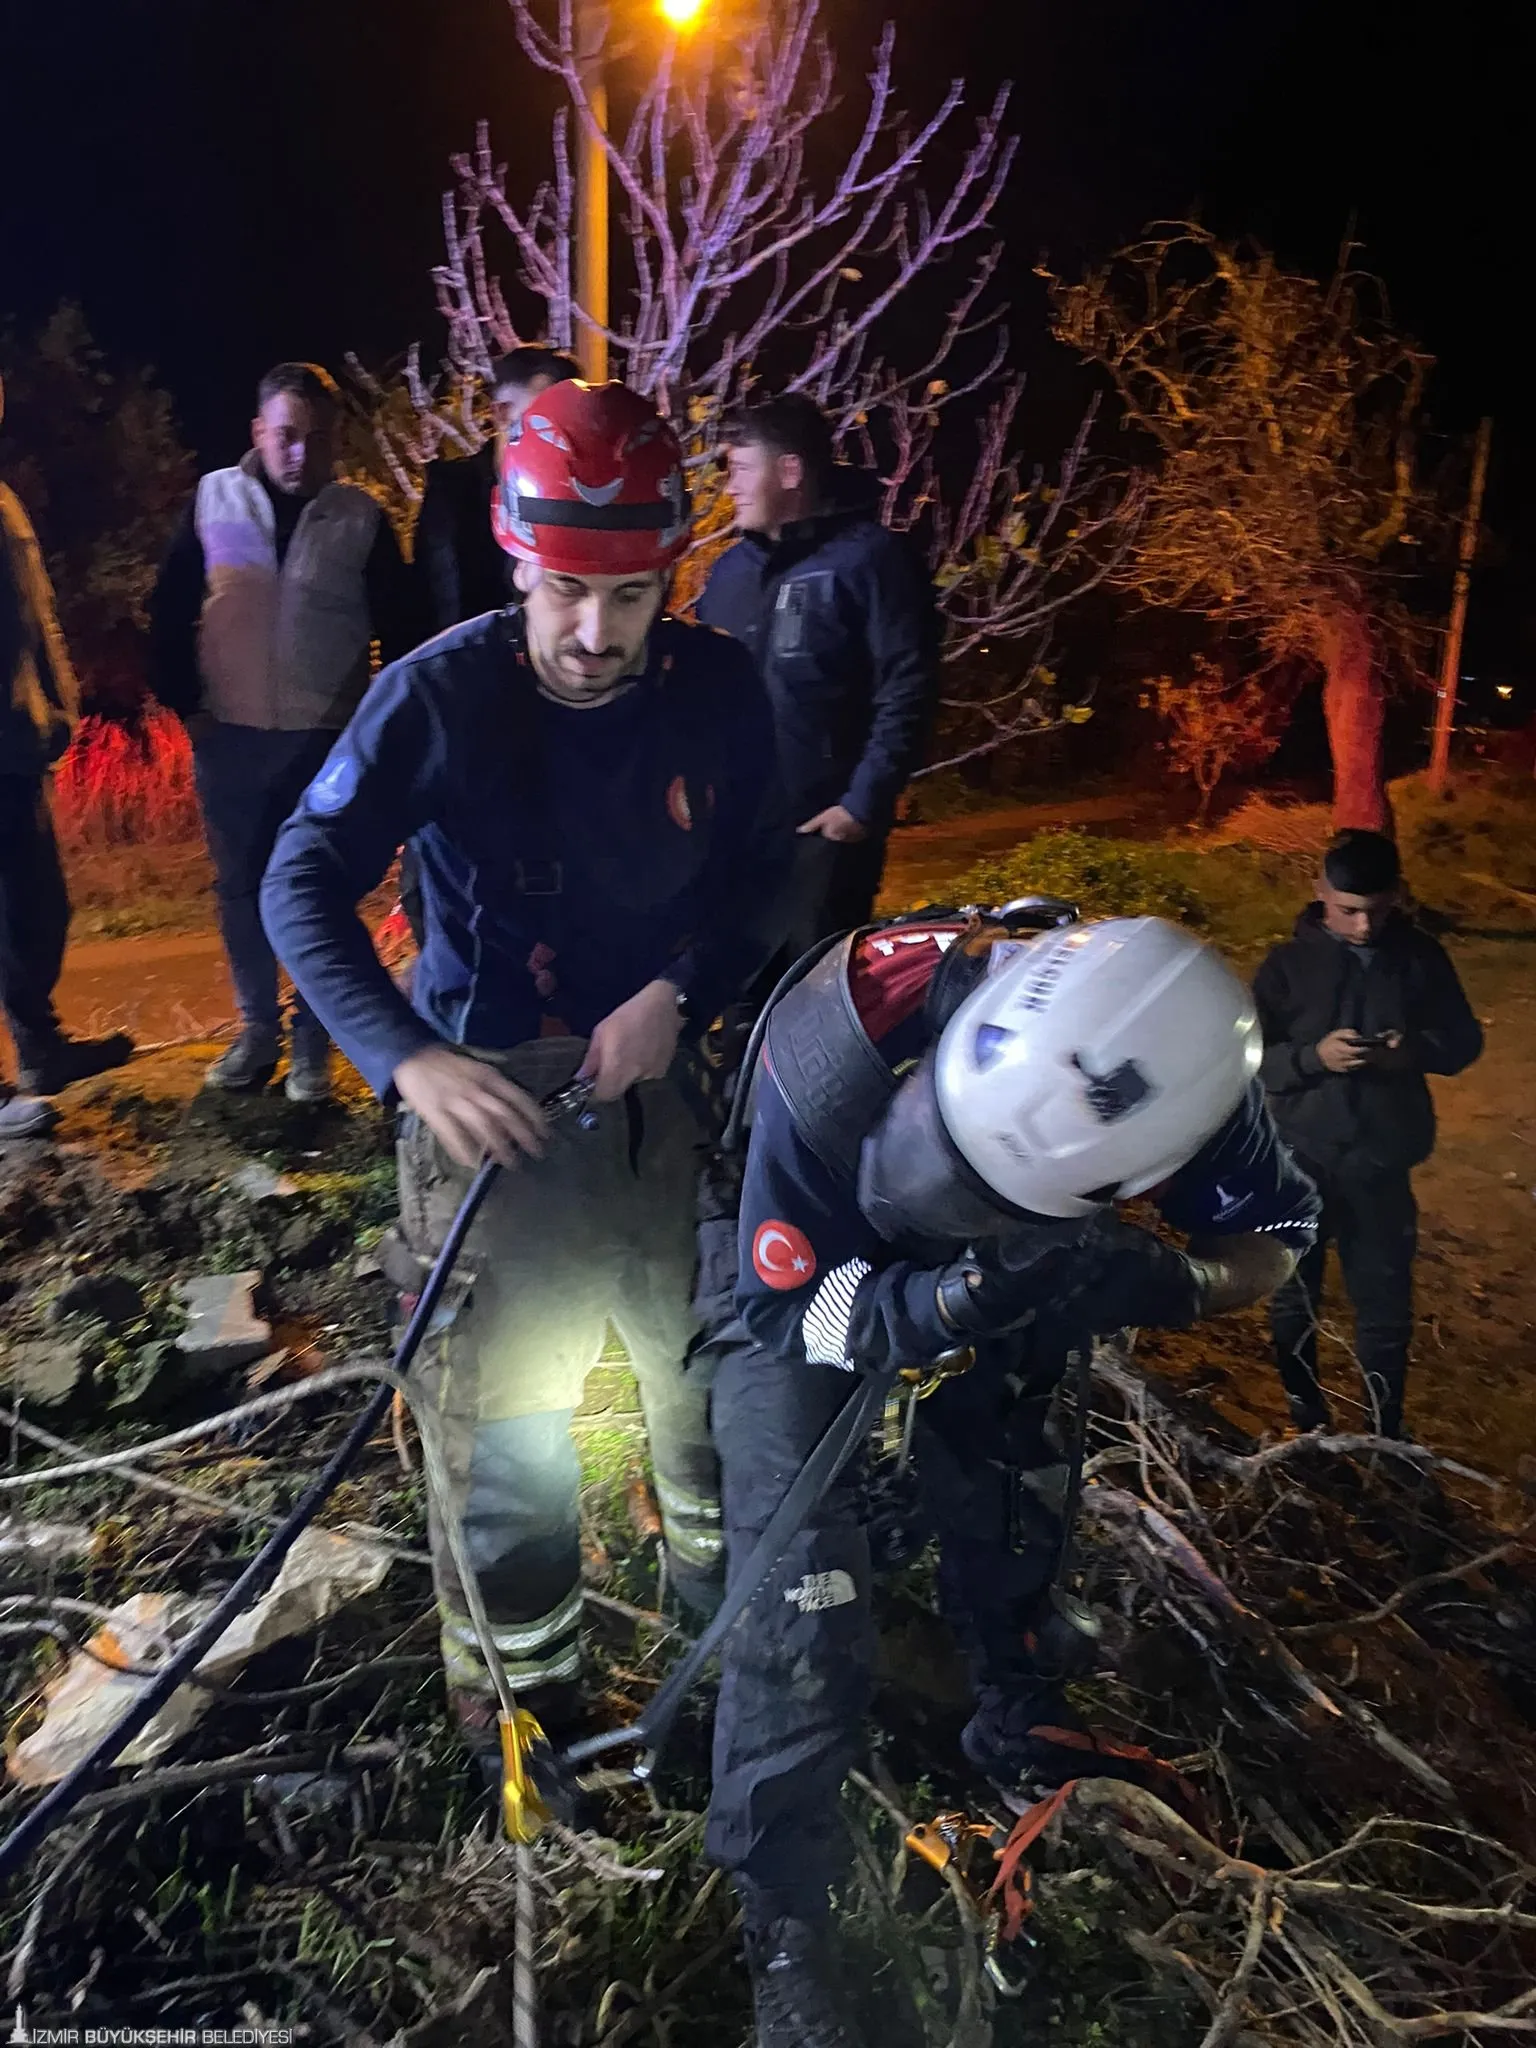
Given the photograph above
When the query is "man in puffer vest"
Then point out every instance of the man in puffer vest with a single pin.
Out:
(275, 586)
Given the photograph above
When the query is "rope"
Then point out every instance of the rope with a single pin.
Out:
(525, 1983)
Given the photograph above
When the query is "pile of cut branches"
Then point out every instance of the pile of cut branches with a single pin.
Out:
(1331, 1638)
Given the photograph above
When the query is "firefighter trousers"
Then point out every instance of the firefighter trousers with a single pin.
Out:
(796, 1672)
(600, 1230)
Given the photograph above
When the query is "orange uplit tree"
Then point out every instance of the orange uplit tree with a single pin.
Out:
(1215, 726)
(1284, 413)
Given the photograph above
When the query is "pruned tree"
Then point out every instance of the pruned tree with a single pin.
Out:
(1284, 412)
(757, 247)
(1216, 726)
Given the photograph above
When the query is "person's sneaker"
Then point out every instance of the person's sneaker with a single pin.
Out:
(74, 1059)
(26, 1116)
(796, 1996)
(1305, 1418)
(309, 1071)
(247, 1067)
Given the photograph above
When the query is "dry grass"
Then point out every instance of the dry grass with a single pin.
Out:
(123, 785)
(1272, 827)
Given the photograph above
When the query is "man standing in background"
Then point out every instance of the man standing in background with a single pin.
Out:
(1357, 1008)
(459, 565)
(274, 587)
(461, 569)
(839, 615)
(39, 707)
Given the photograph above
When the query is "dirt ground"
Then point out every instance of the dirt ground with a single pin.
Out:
(1472, 1391)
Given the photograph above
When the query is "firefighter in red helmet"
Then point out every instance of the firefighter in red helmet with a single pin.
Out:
(587, 787)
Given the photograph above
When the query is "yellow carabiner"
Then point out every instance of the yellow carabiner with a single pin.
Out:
(523, 1813)
(927, 1379)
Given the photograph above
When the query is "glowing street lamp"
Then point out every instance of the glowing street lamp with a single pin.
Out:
(592, 177)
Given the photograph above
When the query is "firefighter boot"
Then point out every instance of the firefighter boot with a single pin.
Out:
(795, 1996)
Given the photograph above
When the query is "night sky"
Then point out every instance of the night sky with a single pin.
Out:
(226, 182)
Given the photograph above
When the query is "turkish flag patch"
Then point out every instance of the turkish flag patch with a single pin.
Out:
(782, 1257)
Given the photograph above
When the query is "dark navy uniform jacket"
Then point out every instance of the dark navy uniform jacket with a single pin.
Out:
(567, 857)
(839, 615)
(818, 1282)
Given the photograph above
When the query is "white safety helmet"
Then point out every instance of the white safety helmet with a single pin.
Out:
(1093, 1063)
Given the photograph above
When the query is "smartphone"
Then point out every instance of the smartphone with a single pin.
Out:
(1375, 1041)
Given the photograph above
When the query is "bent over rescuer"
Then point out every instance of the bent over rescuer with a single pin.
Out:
(943, 1121)
(588, 789)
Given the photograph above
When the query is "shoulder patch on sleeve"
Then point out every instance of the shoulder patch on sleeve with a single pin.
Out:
(334, 787)
(782, 1257)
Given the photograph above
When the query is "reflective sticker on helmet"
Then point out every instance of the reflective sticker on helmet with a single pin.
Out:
(334, 787)
(988, 1045)
(547, 431)
(1114, 1095)
(597, 494)
(782, 1257)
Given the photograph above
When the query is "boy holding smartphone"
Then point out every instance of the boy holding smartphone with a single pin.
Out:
(1356, 1009)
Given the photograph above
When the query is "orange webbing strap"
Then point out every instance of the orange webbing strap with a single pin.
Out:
(1011, 1894)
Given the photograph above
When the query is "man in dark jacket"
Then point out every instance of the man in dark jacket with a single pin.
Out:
(461, 569)
(840, 617)
(39, 704)
(1357, 1008)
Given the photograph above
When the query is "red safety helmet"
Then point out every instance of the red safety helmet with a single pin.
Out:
(592, 484)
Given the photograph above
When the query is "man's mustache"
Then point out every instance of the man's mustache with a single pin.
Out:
(590, 654)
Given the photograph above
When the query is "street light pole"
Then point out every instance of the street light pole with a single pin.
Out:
(1450, 663)
(592, 196)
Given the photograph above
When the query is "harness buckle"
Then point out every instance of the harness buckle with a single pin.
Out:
(949, 1841)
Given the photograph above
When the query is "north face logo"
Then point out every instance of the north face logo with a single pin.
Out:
(1114, 1095)
(820, 1590)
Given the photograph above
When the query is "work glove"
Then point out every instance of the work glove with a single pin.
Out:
(1101, 1278)
(1127, 1277)
(1001, 1286)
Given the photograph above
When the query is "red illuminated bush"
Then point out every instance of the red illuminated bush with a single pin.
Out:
(122, 785)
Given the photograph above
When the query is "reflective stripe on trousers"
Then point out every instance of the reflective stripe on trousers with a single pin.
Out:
(538, 1652)
(690, 1523)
